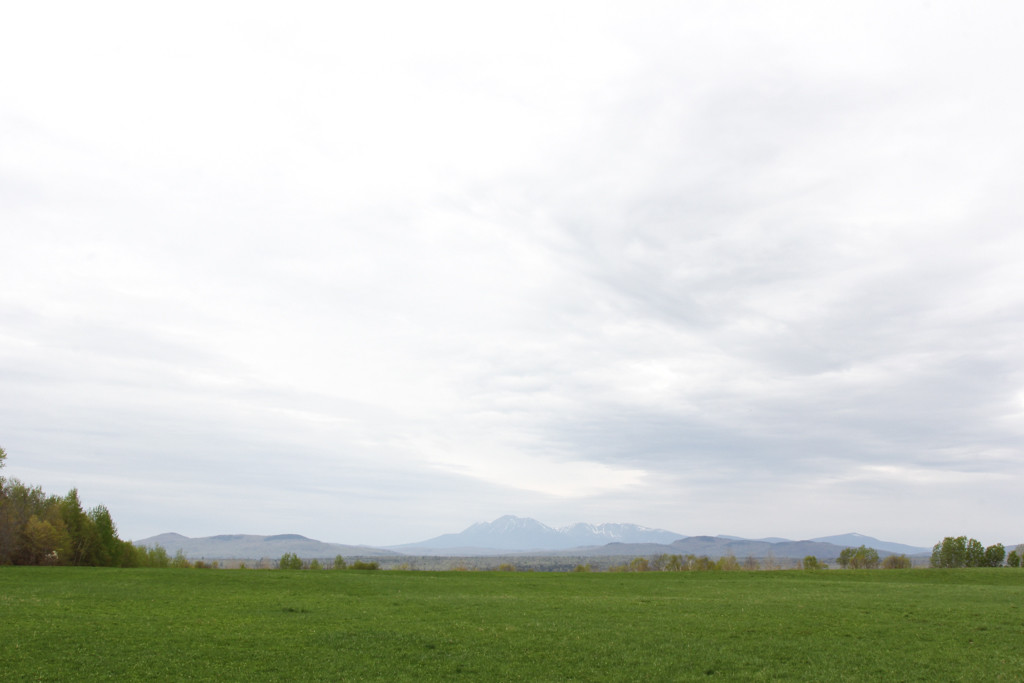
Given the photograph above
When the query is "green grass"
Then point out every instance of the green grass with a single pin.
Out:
(79, 623)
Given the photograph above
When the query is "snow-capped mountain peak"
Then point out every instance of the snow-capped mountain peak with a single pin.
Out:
(523, 533)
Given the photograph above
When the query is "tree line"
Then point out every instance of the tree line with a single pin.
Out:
(40, 529)
(293, 561)
(960, 551)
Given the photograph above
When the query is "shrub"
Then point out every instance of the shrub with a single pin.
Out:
(811, 563)
(359, 564)
(727, 563)
(896, 562)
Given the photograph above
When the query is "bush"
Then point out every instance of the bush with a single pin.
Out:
(896, 562)
(358, 564)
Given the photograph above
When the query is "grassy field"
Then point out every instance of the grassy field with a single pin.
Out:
(79, 623)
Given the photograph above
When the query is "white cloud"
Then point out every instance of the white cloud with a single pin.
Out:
(564, 257)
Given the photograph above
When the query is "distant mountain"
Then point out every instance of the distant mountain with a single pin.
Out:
(712, 546)
(249, 547)
(856, 540)
(522, 534)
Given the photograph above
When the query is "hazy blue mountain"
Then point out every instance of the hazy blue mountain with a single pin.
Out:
(250, 547)
(853, 540)
(522, 533)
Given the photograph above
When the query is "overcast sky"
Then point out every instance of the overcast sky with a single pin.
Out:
(373, 272)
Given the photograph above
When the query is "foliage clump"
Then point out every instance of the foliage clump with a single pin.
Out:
(359, 564)
(960, 551)
(289, 561)
(896, 562)
(812, 563)
(858, 558)
(41, 529)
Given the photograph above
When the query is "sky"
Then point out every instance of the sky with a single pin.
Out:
(374, 272)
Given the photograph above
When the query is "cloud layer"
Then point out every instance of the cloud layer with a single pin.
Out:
(375, 275)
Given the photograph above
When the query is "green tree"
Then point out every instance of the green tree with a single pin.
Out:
(674, 563)
(36, 528)
(811, 563)
(315, 564)
(975, 553)
(85, 539)
(639, 564)
(157, 557)
(290, 561)
(18, 503)
(965, 552)
(994, 555)
(858, 558)
(699, 564)
(42, 541)
(109, 550)
(1013, 559)
(339, 562)
(727, 563)
(180, 561)
(950, 553)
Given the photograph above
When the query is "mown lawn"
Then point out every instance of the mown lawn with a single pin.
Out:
(77, 624)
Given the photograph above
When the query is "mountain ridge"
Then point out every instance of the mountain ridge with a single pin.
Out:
(524, 535)
(252, 546)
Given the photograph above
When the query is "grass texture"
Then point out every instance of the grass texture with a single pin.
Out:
(65, 623)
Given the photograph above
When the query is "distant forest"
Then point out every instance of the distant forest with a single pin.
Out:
(48, 530)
